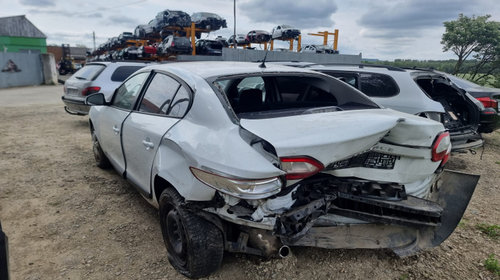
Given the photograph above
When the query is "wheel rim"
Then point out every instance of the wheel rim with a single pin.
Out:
(176, 236)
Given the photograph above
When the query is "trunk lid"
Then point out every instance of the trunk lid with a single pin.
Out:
(333, 136)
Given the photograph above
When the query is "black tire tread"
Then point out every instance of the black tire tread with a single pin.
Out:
(104, 162)
(205, 246)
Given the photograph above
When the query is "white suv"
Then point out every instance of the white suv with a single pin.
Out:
(419, 92)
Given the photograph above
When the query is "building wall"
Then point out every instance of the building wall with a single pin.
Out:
(23, 44)
(27, 70)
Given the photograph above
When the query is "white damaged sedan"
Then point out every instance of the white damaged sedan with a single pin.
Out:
(246, 158)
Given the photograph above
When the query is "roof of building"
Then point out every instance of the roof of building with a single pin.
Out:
(19, 26)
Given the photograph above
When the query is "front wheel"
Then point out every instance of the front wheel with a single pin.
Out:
(194, 245)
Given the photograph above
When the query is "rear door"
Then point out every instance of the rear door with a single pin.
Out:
(111, 119)
(165, 101)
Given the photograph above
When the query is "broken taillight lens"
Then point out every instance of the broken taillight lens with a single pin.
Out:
(441, 148)
(297, 168)
(90, 90)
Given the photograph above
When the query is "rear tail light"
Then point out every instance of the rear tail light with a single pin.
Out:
(297, 168)
(90, 90)
(488, 102)
(239, 187)
(441, 148)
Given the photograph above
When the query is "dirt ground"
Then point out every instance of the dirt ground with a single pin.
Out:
(67, 219)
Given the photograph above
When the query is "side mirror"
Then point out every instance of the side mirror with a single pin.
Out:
(96, 99)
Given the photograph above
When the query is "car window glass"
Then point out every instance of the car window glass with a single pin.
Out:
(252, 83)
(290, 95)
(349, 78)
(89, 72)
(123, 72)
(159, 94)
(127, 93)
(180, 104)
(378, 85)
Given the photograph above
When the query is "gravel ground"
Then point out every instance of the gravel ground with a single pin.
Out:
(67, 219)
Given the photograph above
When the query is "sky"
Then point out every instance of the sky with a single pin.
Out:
(382, 29)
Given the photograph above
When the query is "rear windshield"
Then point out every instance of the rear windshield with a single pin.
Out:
(276, 96)
(123, 72)
(89, 72)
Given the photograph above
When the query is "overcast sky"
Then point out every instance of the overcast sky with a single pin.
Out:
(383, 29)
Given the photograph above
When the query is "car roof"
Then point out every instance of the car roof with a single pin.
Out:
(208, 69)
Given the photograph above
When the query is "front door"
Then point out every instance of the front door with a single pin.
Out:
(164, 103)
(112, 117)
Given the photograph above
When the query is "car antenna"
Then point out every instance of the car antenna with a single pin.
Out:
(263, 64)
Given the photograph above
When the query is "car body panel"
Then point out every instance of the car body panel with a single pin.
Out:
(141, 137)
(108, 130)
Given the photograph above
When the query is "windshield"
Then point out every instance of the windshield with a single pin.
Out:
(271, 96)
(89, 72)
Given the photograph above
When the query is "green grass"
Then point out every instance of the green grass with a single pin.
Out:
(492, 231)
(489, 81)
(404, 277)
(463, 222)
(491, 264)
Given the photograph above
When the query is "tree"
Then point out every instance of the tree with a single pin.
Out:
(473, 37)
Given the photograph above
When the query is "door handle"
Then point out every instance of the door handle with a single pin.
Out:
(116, 129)
(149, 145)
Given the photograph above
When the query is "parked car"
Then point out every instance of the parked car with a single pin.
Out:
(172, 18)
(258, 36)
(4, 255)
(131, 53)
(208, 47)
(147, 51)
(258, 159)
(285, 32)
(140, 31)
(419, 92)
(223, 41)
(124, 37)
(175, 45)
(240, 40)
(317, 49)
(209, 21)
(490, 99)
(103, 77)
(152, 29)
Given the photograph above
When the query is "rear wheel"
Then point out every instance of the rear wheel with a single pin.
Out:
(194, 246)
(100, 158)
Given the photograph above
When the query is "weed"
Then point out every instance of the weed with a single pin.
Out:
(492, 231)
(491, 264)
(404, 277)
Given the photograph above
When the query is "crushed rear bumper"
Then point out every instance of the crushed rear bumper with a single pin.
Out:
(406, 226)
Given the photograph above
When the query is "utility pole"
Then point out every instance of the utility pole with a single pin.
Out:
(93, 38)
(234, 31)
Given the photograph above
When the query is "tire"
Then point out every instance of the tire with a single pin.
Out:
(195, 246)
(101, 159)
